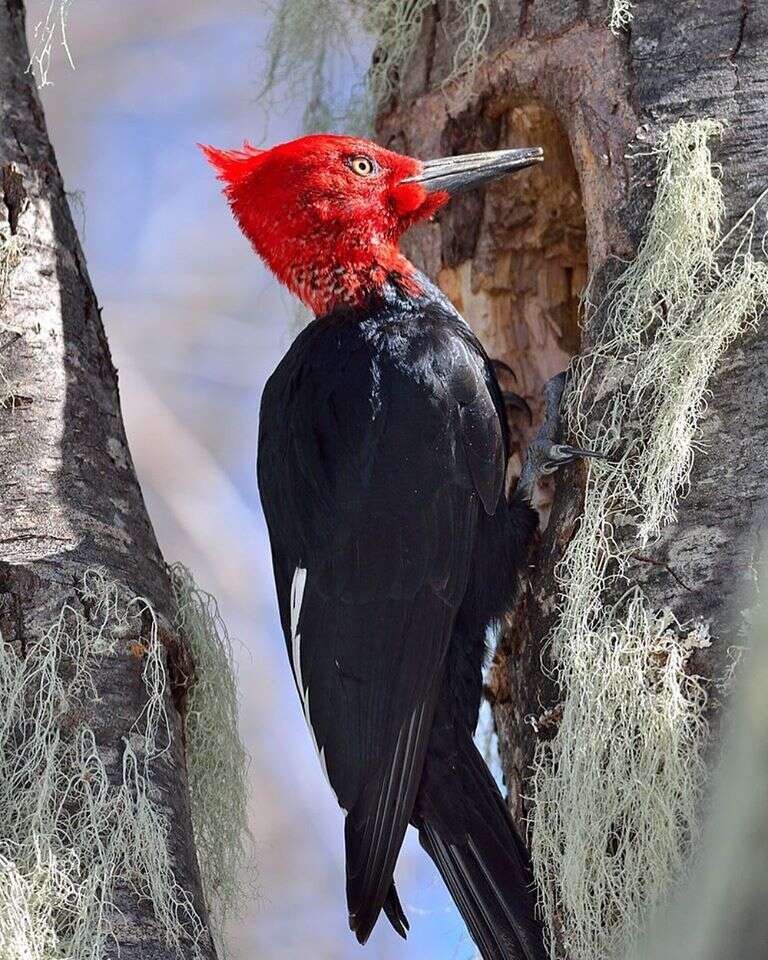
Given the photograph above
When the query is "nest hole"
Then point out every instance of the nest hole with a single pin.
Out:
(520, 286)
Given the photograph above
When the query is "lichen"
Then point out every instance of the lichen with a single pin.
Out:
(216, 758)
(71, 835)
(11, 250)
(616, 791)
(720, 911)
(310, 46)
(45, 35)
(621, 15)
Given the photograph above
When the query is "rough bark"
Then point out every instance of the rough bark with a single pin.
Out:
(721, 912)
(514, 258)
(69, 498)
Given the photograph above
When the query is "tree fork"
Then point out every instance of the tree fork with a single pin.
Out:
(70, 498)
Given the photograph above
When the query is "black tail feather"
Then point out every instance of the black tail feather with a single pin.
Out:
(466, 829)
(395, 913)
(375, 827)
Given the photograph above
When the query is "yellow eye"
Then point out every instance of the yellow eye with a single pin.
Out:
(362, 166)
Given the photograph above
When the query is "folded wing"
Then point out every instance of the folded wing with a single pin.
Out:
(372, 473)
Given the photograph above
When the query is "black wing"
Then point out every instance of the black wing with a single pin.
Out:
(374, 459)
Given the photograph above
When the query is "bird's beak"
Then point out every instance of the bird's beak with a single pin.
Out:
(457, 174)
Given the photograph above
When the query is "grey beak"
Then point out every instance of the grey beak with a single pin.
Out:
(457, 174)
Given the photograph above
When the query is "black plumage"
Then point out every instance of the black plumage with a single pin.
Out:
(382, 456)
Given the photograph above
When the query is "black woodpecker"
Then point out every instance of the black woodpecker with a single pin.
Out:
(381, 466)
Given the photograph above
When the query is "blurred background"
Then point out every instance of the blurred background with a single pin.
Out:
(195, 326)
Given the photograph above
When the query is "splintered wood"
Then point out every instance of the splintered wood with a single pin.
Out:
(520, 291)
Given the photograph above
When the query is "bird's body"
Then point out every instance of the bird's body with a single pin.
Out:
(381, 466)
(382, 455)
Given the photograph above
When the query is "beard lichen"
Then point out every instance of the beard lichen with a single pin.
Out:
(11, 250)
(310, 49)
(621, 15)
(216, 758)
(45, 35)
(720, 911)
(79, 822)
(615, 793)
(396, 25)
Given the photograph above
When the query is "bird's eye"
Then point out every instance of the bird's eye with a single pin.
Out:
(362, 166)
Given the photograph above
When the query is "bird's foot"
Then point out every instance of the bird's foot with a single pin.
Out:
(561, 454)
(513, 401)
(544, 457)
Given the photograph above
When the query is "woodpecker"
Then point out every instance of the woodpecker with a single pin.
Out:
(381, 468)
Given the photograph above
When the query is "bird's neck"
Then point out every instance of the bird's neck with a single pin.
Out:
(348, 276)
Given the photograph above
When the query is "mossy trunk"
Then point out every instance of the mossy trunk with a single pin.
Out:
(515, 261)
(69, 498)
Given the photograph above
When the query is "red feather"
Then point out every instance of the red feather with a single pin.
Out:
(232, 166)
(328, 234)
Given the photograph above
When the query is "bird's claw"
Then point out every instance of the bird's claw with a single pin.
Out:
(503, 366)
(544, 457)
(511, 400)
(561, 454)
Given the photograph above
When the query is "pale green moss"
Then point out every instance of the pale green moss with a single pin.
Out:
(11, 250)
(621, 15)
(46, 35)
(70, 837)
(310, 46)
(216, 758)
(616, 791)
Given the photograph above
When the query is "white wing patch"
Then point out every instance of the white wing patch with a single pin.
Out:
(297, 596)
(492, 634)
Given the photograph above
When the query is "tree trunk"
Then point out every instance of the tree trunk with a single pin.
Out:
(721, 911)
(515, 261)
(71, 504)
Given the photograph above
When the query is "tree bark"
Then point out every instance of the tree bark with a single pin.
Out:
(721, 911)
(515, 259)
(69, 497)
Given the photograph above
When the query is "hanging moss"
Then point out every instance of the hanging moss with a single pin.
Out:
(46, 35)
(11, 249)
(396, 25)
(310, 49)
(216, 758)
(69, 836)
(616, 791)
(720, 911)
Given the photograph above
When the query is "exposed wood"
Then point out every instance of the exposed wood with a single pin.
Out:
(524, 305)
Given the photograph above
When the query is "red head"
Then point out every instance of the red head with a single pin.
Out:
(325, 213)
